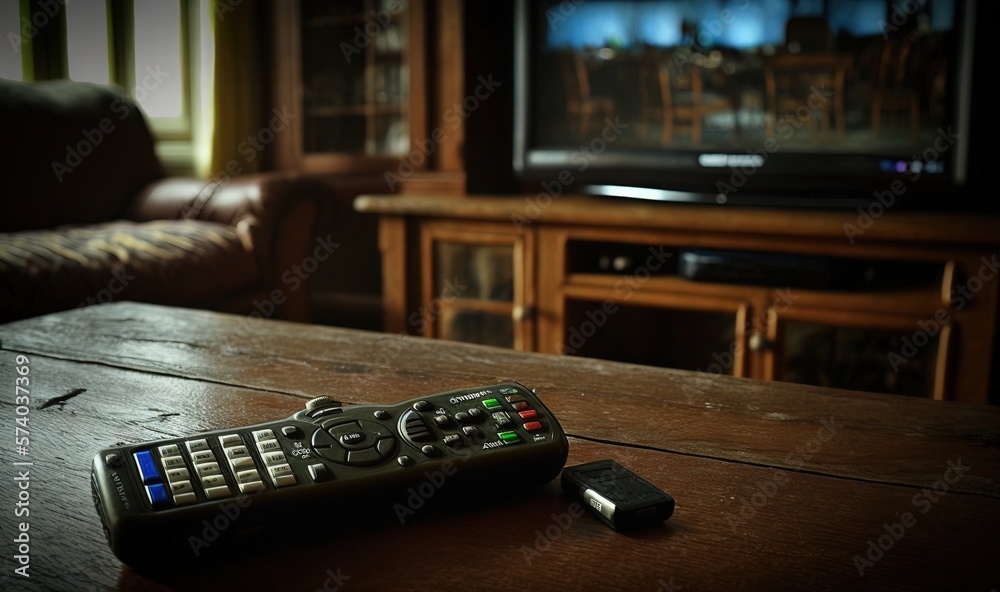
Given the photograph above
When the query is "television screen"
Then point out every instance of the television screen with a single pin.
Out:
(746, 101)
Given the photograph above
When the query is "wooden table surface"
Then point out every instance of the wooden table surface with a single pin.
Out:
(778, 486)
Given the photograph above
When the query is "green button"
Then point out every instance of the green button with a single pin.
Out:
(491, 403)
(509, 437)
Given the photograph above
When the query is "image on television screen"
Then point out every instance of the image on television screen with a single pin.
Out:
(724, 77)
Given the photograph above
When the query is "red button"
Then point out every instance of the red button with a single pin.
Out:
(519, 405)
(528, 414)
(533, 426)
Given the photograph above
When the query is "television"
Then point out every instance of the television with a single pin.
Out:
(821, 103)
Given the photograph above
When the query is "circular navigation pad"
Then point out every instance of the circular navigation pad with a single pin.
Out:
(354, 442)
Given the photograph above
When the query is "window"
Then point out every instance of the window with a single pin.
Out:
(159, 51)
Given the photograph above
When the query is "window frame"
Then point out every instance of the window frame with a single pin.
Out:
(44, 56)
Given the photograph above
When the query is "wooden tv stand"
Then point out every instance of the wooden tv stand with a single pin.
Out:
(598, 277)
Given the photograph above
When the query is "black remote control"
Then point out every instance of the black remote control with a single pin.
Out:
(616, 495)
(177, 497)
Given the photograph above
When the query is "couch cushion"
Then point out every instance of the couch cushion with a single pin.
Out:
(173, 262)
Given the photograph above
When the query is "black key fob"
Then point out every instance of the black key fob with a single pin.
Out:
(616, 495)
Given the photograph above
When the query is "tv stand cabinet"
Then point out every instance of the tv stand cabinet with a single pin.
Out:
(599, 278)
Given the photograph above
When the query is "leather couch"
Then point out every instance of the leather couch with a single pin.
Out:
(88, 215)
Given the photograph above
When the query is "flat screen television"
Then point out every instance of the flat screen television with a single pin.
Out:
(829, 103)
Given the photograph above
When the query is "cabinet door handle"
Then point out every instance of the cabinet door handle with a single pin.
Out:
(949, 281)
(759, 343)
(522, 313)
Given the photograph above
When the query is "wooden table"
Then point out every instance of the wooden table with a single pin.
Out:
(778, 486)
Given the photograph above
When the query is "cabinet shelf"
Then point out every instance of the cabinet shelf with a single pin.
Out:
(911, 299)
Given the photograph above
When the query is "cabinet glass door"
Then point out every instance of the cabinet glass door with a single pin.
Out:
(688, 332)
(878, 353)
(473, 289)
(475, 284)
(354, 77)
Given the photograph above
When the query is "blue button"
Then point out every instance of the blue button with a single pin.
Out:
(157, 493)
(147, 467)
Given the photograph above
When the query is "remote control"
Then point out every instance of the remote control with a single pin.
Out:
(177, 497)
(616, 495)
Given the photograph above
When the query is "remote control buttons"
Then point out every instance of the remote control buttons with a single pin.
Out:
(382, 414)
(263, 435)
(352, 440)
(230, 440)
(147, 467)
(423, 406)
(501, 418)
(194, 446)
(509, 437)
(533, 426)
(358, 442)
(319, 473)
(414, 428)
(169, 450)
(491, 404)
(292, 432)
(157, 495)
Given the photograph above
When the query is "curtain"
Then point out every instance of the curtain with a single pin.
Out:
(238, 87)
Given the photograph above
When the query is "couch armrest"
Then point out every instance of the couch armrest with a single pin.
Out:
(275, 215)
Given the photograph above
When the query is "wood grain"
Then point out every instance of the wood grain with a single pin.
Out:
(810, 499)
